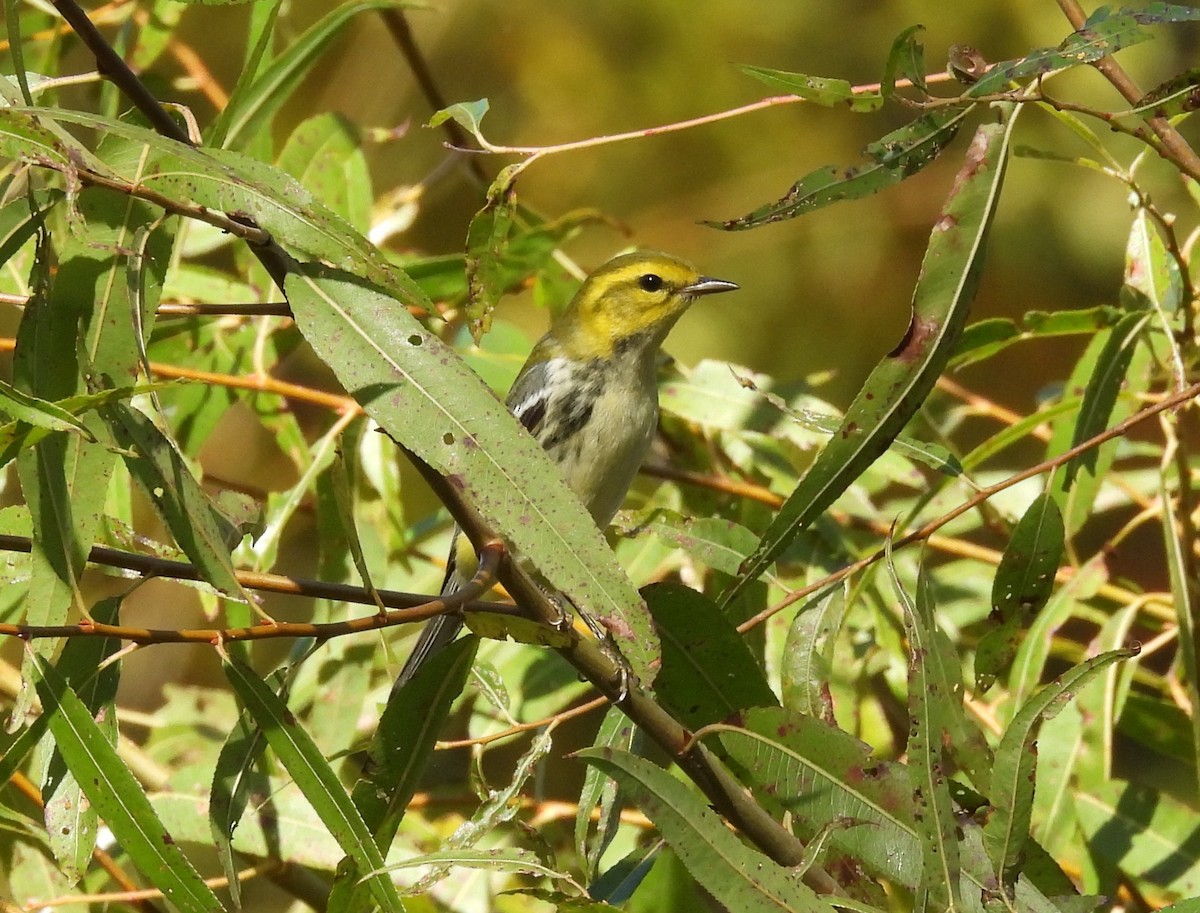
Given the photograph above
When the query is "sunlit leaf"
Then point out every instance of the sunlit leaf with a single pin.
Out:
(1013, 778)
(393, 366)
(819, 89)
(899, 384)
(312, 773)
(118, 797)
(1022, 586)
(894, 157)
(736, 876)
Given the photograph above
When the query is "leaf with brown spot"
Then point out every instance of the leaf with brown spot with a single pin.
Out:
(899, 384)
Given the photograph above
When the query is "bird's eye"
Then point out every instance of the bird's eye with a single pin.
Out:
(650, 282)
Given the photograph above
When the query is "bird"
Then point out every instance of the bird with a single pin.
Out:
(588, 393)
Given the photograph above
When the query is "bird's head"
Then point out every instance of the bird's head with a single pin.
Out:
(632, 301)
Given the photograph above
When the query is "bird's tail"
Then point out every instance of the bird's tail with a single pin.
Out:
(438, 631)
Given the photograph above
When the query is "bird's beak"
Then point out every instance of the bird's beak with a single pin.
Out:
(706, 286)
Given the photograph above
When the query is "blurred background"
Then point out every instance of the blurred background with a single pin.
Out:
(823, 296)
(828, 292)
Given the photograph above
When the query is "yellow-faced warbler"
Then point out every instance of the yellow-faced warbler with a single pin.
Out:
(589, 394)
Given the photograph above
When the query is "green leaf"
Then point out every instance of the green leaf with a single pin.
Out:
(40, 413)
(808, 653)
(1175, 96)
(1103, 34)
(737, 877)
(818, 774)
(428, 400)
(1186, 599)
(203, 532)
(315, 778)
(19, 220)
(983, 339)
(226, 181)
(616, 733)
(719, 544)
(933, 706)
(1074, 322)
(234, 781)
(65, 477)
(894, 157)
(253, 110)
(487, 240)
(708, 672)
(286, 827)
(1100, 395)
(403, 742)
(818, 89)
(1022, 587)
(1153, 275)
(1142, 835)
(16, 436)
(906, 60)
(400, 752)
(1007, 829)
(324, 153)
(1151, 14)
(898, 385)
(467, 114)
(118, 797)
(71, 820)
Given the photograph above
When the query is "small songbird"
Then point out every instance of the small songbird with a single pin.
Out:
(589, 394)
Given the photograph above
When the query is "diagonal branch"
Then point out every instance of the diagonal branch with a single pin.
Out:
(401, 32)
(1175, 401)
(1174, 146)
(419, 608)
(110, 64)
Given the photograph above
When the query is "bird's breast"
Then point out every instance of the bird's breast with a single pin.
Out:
(598, 428)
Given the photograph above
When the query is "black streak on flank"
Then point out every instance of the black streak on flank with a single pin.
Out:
(573, 409)
(533, 414)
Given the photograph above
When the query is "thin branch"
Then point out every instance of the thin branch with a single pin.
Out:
(677, 126)
(1117, 430)
(180, 309)
(113, 67)
(1174, 146)
(273, 258)
(518, 728)
(141, 895)
(247, 309)
(257, 238)
(398, 27)
(403, 608)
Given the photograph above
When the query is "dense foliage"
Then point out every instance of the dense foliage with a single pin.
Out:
(921, 653)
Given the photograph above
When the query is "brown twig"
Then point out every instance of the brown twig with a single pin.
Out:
(403, 608)
(113, 67)
(518, 728)
(1117, 430)
(29, 789)
(1173, 145)
(239, 228)
(398, 27)
(141, 895)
